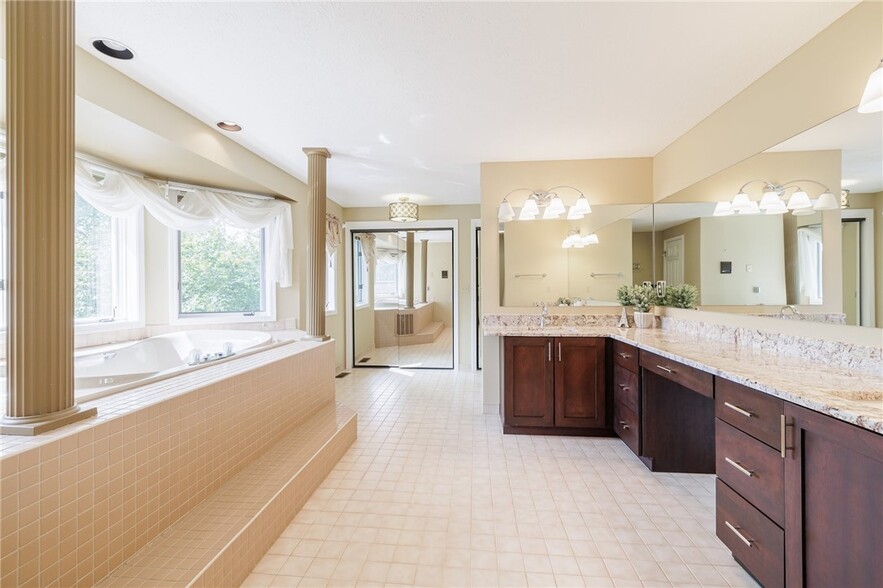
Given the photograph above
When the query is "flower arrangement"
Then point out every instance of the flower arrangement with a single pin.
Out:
(642, 297)
(682, 296)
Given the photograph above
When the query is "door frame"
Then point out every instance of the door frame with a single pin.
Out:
(867, 310)
(363, 226)
(475, 285)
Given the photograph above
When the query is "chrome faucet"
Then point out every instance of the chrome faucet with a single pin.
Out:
(543, 315)
(794, 311)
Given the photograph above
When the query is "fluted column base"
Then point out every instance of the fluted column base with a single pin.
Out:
(38, 424)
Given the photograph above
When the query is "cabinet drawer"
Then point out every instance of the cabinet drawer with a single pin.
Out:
(752, 469)
(625, 387)
(756, 413)
(689, 377)
(625, 355)
(625, 423)
(755, 541)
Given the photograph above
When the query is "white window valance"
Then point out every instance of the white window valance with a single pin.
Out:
(333, 229)
(121, 194)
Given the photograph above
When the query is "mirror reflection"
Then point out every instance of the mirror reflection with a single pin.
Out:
(403, 298)
(575, 262)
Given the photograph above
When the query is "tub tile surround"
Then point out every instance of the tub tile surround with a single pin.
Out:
(78, 501)
(793, 370)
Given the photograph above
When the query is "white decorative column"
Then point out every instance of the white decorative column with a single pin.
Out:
(317, 158)
(40, 189)
(409, 269)
(424, 250)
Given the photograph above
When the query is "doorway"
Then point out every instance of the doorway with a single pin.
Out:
(858, 267)
(401, 294)
(673, 266)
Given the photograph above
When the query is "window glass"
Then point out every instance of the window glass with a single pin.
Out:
(331, 282)
(221, 270)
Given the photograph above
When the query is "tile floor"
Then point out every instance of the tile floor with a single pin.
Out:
(433, 494)
(438, 354)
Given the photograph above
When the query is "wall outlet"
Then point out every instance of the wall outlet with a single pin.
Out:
(749, 268)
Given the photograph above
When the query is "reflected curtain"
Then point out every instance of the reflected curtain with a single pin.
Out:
(118, 194)
(369, 247)
(809, 259)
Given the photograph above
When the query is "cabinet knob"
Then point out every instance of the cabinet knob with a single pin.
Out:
(624, 355)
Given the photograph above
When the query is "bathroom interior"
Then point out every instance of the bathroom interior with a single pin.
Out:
(269, 362)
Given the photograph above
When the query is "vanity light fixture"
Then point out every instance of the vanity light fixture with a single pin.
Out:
(112, 48)
(772, 201)
(872, 98)
(549, 201)
(576, 241)
(404, 211)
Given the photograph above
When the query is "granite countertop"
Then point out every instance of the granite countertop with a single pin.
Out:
(850, 395)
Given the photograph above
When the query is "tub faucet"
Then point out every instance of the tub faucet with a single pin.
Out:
(794, 311)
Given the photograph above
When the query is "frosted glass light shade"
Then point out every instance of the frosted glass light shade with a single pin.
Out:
(574, 214)
(779, 208)
(556, 206)
(582, 205)
(724, 209)
(740, 202)
(550, 214)
(530, 207)
(591, 239)
(799, 200)
(826, 201)
(525, 215)
(752, 208)
(770, 198)
(505, 213)
(872, 98)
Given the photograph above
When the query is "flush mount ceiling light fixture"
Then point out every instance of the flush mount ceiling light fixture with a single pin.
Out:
(226, 125)
(404, 211)
(548, 201)
(872, 99)
(112, 48)
(773, 200)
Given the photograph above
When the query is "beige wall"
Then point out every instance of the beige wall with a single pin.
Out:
(612, 255)
(531, 249)
(642, 254)
(832, 69)
(441, 292)
(463, 214)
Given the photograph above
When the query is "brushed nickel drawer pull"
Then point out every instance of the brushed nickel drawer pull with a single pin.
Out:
(736, 465)
(623, 386)
(738, 409)
(624, 355)
(735, 530)
(669, 370)
(784, 427)
(550, 351)
(559, 351)
(625, 425)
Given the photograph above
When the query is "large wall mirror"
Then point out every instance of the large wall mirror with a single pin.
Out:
(826, 260)
(580, 262)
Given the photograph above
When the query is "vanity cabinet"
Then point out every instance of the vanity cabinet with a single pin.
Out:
(677, 416)
(554, 385)
(833, 504)
(627, 395)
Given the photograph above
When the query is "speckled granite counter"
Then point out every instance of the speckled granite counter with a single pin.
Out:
(851, 395)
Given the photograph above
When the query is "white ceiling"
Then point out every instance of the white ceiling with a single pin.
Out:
(859, 137)
(410, 98)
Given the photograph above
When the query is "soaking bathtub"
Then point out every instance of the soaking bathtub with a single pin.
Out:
(115, 369)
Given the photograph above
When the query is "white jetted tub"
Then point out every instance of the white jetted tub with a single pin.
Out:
(105, 372)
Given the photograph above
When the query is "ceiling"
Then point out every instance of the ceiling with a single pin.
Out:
(410, 98)
(859, 137)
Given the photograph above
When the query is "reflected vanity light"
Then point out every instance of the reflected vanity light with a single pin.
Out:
(574, 240)
(773, 200)
(549, 201)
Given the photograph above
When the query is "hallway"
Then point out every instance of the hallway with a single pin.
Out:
(433, 494)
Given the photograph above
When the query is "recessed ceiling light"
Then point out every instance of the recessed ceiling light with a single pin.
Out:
(112, 48)
(226, 125)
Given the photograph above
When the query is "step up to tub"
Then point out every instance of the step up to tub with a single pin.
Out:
(221, 539)
(427, 334)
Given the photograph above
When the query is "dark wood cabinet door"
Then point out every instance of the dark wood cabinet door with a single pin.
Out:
(528, 382)
(833, 502)
(579, 382)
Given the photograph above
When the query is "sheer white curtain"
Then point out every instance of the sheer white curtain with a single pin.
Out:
(3, 174)
(333, 228)
(120, 194)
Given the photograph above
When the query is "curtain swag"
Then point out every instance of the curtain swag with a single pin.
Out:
(333, 229)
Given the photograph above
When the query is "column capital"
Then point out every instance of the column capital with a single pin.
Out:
(317, 151)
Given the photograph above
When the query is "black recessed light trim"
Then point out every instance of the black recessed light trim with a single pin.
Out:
(226, 125)
(109, 47)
